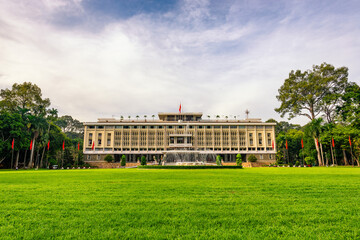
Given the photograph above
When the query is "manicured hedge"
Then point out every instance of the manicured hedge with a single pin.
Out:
(188, 167)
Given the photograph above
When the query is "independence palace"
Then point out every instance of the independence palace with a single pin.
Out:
(178, 132)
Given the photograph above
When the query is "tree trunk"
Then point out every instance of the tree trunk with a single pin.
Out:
(327, 160)
(322, 154)
(17, 159)
(332, 154)
(25, 157)
(32, 153)
(345, 158)
(318, 152)
(42, 157)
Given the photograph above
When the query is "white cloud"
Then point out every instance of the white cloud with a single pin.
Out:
(144, 65)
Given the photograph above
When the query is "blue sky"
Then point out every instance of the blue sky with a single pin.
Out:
(104, 58)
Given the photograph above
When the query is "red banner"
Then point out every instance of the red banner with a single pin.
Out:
(333, 143)
(31, 144)
(48, 145)
(302, 143)
(63, 145)
(272, 144)
(92, 148)
(12, 144)
(286, 144)
(350, 141)
(180, 108)
(78, 146)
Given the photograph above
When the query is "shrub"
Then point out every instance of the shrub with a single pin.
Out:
(297, 164)
(189, 167)
(309, 160)
(252, 158)
(109, 158)
(238, 160)
(218, 160)
(143, 161)
(123, 160)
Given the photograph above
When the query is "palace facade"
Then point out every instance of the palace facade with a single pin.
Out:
(178, 132)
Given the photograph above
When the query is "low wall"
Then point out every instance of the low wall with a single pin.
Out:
(258, 163)
(104, 164)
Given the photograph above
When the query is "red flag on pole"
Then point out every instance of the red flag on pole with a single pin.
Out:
(92, 148)
(78, 146)
(333, 143)
(272, 143)
(180, 108)
(317, 143)
(286, 144)
(302, 143)
(63, 145)
(349, 141)
(12, 144)
(31, 144)
(48, 146)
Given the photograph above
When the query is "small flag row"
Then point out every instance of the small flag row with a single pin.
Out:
(48, 145)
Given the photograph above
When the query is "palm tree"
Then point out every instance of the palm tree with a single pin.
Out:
(129, 117)
(145, 116)
(153, 116)
(217, 116)
(137, 117)
(208, 117)
(226, 117)
(121, 118)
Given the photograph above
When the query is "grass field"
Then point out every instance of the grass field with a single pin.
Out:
(256, 203)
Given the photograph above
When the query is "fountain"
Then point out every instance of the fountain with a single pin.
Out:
(186, 157)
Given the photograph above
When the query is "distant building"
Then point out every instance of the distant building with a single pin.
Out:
(178, 132)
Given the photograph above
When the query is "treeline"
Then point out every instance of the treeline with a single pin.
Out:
(332, 104)
(32, 134)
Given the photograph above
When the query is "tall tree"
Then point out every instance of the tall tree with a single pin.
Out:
(312, 92)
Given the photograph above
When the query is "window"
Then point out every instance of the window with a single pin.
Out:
(269, 139)
(260, 138)
(251, 140)
(180, 140)
(171, 140)
(100, 127)
(91, 127)
(88, 157)
(261, 157)
(108, 139)
(99, 138)
(90, 138)
(98, 157)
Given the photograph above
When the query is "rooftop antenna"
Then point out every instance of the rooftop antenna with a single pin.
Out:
(247, 113)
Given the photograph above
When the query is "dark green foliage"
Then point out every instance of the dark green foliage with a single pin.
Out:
(218, 160)
(143, 161)
(238, 160)
(109, 158)
(252, 158)
(123, 161)
(297, 164)
(189, 167)
(309, 160)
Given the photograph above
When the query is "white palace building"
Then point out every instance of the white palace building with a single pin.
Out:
(179, 135)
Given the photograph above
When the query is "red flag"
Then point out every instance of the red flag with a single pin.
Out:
(180, 108)
(272, 143)
(333, 143)
(48, 145)
(78, 146)
(31, 144)
(92, 148)
(12, 144)
(317, 143)
(302, 143)
(63, 145)
(349, 141)
(286, 144)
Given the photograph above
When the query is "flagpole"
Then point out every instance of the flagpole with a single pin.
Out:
(332, 154)
(12, 158)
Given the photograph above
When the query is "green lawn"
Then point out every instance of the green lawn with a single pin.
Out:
(256, 203)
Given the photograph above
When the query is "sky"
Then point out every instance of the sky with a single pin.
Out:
(111, 58)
